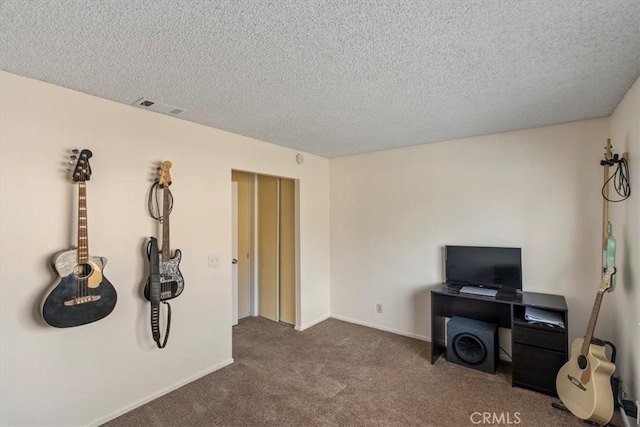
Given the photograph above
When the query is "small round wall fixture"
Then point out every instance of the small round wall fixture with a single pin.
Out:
(299, 158)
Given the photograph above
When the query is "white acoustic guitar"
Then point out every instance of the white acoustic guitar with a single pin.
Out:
(584, 382)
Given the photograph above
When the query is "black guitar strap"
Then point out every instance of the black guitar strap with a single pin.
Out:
(154, 293)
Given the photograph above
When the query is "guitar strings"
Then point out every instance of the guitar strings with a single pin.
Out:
(85, 252)
(78, 276)
(83, 267)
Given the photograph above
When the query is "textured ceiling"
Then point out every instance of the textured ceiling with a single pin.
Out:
(338, 77)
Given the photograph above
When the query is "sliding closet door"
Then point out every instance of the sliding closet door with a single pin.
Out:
(268, 246)
(287, 230)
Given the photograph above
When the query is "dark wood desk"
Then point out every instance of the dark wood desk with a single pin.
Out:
(538, 351)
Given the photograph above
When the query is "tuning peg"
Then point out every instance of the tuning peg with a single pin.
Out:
(73, 157)
(71, 162)
(75, 151)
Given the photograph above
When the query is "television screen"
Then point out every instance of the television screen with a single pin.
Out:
(498, 268)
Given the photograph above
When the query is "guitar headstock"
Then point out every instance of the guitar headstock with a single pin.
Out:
(81, 172)
(164, 177)
(607, 150)
(606, 280)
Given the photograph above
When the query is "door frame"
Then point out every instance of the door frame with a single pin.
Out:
(234, 253)
(253, 284)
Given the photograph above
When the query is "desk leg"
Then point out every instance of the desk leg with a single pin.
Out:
(437, 336)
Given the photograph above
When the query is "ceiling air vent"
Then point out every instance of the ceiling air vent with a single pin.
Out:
(158, 107)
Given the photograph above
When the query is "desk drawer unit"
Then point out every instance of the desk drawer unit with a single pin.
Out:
(549, 339)
(539, 352)
(536, 368)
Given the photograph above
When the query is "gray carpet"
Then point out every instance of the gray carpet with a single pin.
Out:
(340, 374)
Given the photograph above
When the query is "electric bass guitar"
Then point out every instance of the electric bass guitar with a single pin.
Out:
(171, 280)
(81, 294)
(608, 241)
(584, 382)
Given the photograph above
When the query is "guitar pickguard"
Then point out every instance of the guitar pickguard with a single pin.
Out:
(171, 280)
(64, 263)
(170, 272)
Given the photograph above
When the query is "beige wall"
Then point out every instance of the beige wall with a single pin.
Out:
(393, 211)
(88, 374)
(625, 136)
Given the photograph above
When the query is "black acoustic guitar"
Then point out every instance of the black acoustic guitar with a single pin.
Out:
(81, 294)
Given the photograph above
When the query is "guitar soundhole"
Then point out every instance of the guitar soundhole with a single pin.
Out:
(582, 361)
(82, 271)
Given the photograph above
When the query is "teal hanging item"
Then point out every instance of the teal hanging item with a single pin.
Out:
(611, 254)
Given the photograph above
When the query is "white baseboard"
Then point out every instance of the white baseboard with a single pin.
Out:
(382, 328)
(315, 322)
(160, 393)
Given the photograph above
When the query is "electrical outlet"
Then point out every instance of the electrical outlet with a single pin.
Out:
(378, 308)
(213, 261)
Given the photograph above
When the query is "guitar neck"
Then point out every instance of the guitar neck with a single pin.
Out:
(166, 208)
(605, 211)
(605, 205)
(592, 324)
(83, 234)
